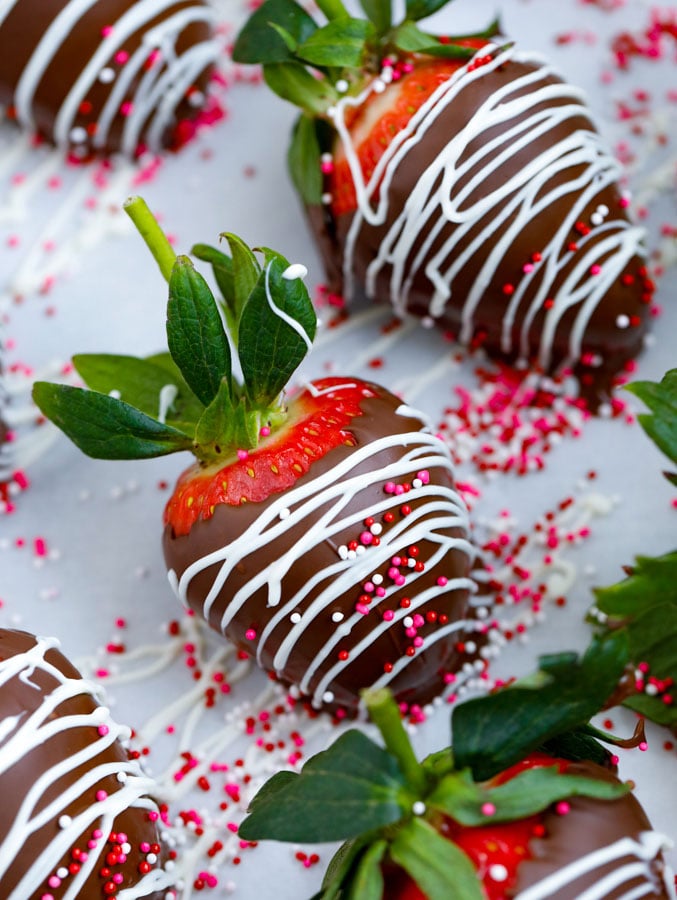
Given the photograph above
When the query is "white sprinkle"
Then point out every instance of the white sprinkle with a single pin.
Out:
(377, 579)
(326, 158)
(376, 528)
(343, 551)
(418, 808)
(78, 135)
(622, 321)
(417, 483)
(407, 621)
(62, 872)
(65, 821)
(498, 872)
(341, 85)
(326, 199)
(379, 86)
(596, 218)
(284, 513)
(151, 858)
(106, 75)
(295, 618)
(328, 696)
(337, 617)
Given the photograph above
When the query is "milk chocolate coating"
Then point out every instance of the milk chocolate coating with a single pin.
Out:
(66, 58)
(30, 692)
(606, 345)
(417, 682)
(591, 825)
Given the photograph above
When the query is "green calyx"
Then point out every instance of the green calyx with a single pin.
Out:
(312, 65)
(644, 604)
(386, 805)
(189, 398)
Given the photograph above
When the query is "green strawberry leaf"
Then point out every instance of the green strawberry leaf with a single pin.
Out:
(277, 327)
(409, 37)
(106, 428)
(141, 383)
(421, 9)
(494, 732)
(530, 792)
(222, 267)
(293, 82)
(661, 423)
(246, 272)
(258, 42)
(303, 160)
(380, 12)
(367, 881)
(440, 868)
(577, 746)
(340, 866)
(195, 333)
(652, 581)
(221, 426)
(352, 787)
(340, 43)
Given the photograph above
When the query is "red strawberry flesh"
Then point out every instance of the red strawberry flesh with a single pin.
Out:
(316, 423)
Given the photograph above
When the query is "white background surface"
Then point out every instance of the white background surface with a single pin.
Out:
(101, 522)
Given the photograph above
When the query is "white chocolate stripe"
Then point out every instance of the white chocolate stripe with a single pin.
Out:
(280, 313)
(5, 9)
(20, 739)
(644, 850)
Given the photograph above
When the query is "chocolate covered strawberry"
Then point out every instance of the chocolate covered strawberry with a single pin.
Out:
(321, 533)
(77, 818)
(525, 805)
(461, 180)
(101, 76)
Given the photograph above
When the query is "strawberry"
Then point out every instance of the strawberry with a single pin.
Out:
(77, 818)
(461, 180)
(526, 804)
(107, 76)
(322, 534)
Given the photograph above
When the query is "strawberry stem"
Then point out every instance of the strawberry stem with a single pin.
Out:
(385, 714)
(333, 9)
(149, 229)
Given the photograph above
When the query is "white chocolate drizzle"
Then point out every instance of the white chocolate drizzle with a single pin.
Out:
(454, 190)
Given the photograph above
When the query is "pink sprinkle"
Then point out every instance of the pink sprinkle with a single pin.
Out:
(250, 634)
(242, 454)
(488, 809)
(101, 795)
(366, 538)
(231, 826)
(361, 609)
(265, 431)
(562, 808)
(103, 730)
(595, 270)
(40, 547)
(423, 476)
(442, 581)
(389, 487)
(54, 881)
(121, 57)
(418, 641)
(380, 592)
(106, 31)
(388, 615)
(643, 746)
(368, 587)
